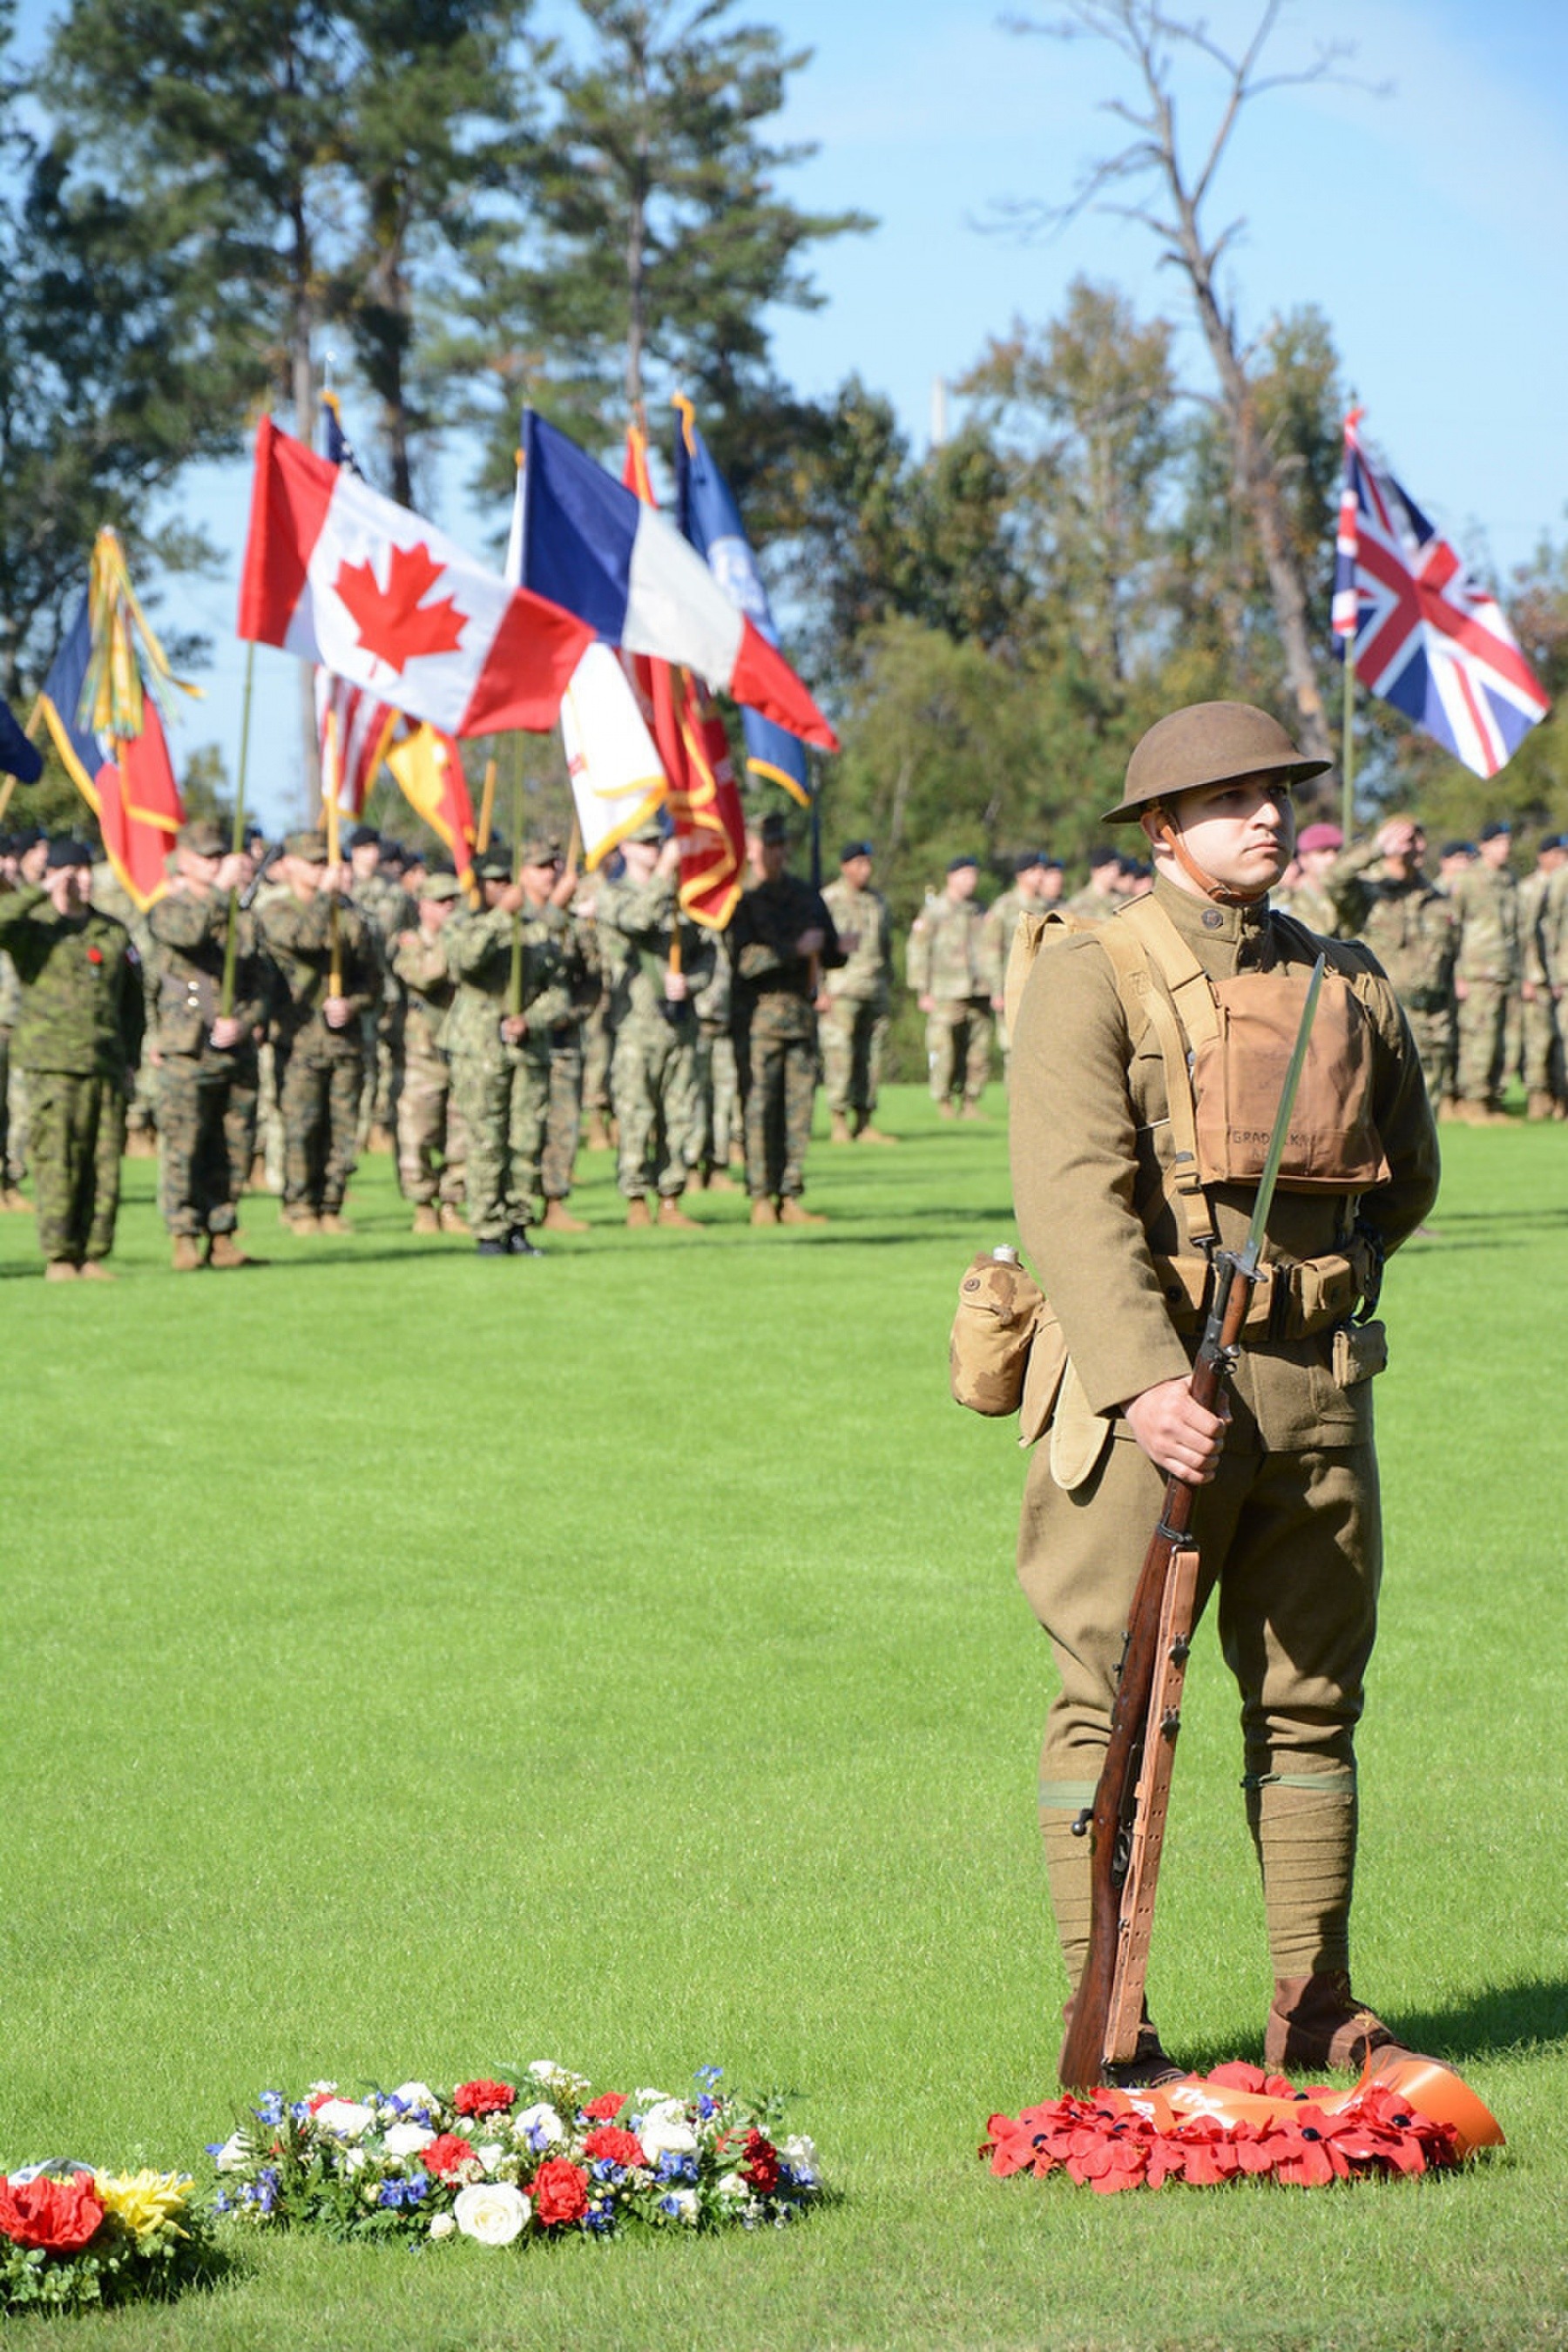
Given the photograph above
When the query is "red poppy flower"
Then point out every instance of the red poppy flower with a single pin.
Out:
(61, 2216)
(483, 2099)
(95, 955)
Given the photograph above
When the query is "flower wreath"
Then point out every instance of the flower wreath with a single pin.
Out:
(1239, 2123)
(500, 2159)
(71, 2236)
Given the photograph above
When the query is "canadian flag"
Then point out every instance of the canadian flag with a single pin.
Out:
(340, 575)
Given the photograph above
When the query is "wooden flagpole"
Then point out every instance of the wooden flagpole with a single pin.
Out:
(231, 935)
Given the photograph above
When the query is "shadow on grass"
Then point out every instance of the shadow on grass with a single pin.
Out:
(1530, 2017)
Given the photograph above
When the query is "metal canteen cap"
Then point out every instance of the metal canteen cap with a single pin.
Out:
(1207, 743)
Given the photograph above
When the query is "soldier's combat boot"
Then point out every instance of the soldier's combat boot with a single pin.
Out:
(1149, 2065)
(303, 1223)
(93, 1269)
(491, 1248)
(452, 1218)
(186, 1255)
(947, 1109)
(427, 1218)
(870, 1134)
(765, 1212)
(670, 1213)
(60, 1269)
(10, 1201)
(791, 1212)
(225, 1252)
(1541, 1105)
(716, 1181)
(597, 1139)
(558, 1218)
(637, 1214)
(333, 1221)
(1317, 2022)
(380, 1139)
(971, 1110)
(840, 1128)
(519, 1246)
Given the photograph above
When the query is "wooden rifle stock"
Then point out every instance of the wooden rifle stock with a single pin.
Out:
(1126, 1822)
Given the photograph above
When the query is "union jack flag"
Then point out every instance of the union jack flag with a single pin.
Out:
(1425, 635)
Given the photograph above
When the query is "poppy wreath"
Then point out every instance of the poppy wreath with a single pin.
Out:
(1304, 2139)
(72, 2237)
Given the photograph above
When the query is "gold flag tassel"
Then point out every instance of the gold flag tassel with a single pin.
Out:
(124, 644)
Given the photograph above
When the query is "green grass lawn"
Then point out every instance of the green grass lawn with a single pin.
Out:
(416, 1662)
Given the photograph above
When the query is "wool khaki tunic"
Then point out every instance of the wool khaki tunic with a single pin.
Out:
(1290, 1524)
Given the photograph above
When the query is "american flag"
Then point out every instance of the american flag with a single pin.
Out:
(1426, 636)
(353, 729)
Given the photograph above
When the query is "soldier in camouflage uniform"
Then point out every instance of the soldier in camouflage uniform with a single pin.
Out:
(207, 1078)
(782, 939)
(10, 1006)
(1540, 922)
(501, 1059)
(77, 1037)
(854, 999)
(1487, 972)
(318, 1030)
(658, 1113)
(429, 1125)
(1380, 894)
(110, 896)
(387, 910)
(564, 1115)
(1102, 894)
(947, 967)
(1039, 886)
(1305, 892)
(24, 870)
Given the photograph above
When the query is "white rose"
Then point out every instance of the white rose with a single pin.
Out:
(541, 2120)
(490, 2154)
(345, 2118)
(544, 2070)
(353, 2160)
(664, 2131)
(232, 2156)
(492, 2212)
(442, 2225)
(800, 2155)
(733, 2187)
(416, 2094)
(406, 2139)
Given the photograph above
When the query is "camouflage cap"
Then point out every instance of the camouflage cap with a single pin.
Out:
(539, 849)
(310, 845)
(494, 864)
(650, 829)
(440, 885)
(201, 837)
(365, 836)
(1207, 743)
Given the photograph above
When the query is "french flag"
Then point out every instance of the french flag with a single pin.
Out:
(584, 541)
(340, 575)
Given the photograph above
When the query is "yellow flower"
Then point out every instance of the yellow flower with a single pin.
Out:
(145, 2202)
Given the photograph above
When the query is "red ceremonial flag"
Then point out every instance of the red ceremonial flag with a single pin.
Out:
(703, 799)
(128, 781)
(340, 576)
(429, 771)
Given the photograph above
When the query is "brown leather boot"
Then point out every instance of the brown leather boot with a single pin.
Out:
(1315, 2023)
(596, 1138)
(427, 1218)
(186, 1255)
(10, 1201)
(870, 1134)
(972, 1110)
(333, 1221)
(791, 1212)
(1541, 1105)
(1150, 2063)
(224, 1252)
(716, 1181)
(93, 1269)
(765, 1212)
(61, 1269)
(558, 1218)
(670, 1213)
(841, 1129)
(302, 1222)
(452, 1218)
(637, 1215)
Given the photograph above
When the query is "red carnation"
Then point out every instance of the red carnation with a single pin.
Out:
(604, 2110)
(615, 2145)
(61, 2216)
(559, 2190)
(483, 2099)
(445, 2155)
(762, 2165)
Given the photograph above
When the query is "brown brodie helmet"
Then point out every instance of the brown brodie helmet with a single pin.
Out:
(1207, 743)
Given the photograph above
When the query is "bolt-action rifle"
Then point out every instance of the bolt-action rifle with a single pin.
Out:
(1126, 1823)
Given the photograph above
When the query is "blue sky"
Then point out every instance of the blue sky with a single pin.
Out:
(1428, 223)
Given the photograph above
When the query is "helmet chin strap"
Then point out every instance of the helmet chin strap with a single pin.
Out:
(1222, 893)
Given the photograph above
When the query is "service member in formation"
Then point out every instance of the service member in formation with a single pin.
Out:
(430, 1144)
(77, 1036)
(1038, 886)
(782, 940)
(1307, 896)
(207, 1076)
(1106, 1123)
(1102, 893)
(1540, 921)
(1381, 896)
(501, 1058)
(854, 1004)
(720, 1138)
(378, 893)
(11, 1138)
(1486, 971)
(946, 966)
(330, 978)
(657, 1114)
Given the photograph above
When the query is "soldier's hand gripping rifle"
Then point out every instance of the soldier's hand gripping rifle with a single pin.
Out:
(1126, 1823)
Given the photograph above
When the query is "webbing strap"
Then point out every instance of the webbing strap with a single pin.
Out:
(1130, 963)
(1185, 976)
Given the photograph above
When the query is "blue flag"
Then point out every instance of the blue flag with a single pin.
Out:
(706, 511)
(19, 758)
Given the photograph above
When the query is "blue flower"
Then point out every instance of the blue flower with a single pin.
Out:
(602, 2168)
(672, 2167)
(708, 2075)
(222, 2201)
(270, 2107)
(707, 2106)
(600, 2219)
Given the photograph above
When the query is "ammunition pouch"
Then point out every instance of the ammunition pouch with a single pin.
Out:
(1291, 1301)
